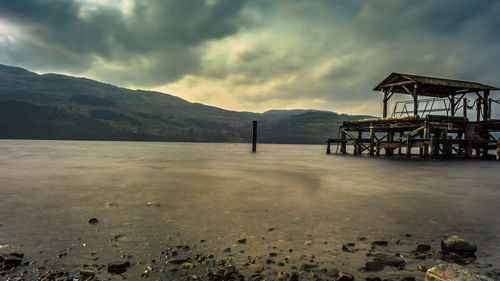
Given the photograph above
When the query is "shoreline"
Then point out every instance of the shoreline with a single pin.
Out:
(406, 259)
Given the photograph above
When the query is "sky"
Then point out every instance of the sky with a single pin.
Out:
(256, 55)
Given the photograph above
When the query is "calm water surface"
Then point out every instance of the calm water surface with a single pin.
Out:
(221, 192)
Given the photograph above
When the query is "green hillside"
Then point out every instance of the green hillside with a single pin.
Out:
(53, 106)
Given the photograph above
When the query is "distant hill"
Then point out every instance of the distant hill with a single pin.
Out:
(53, 106)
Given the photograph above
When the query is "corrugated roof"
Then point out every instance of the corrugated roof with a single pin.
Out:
(430, 86)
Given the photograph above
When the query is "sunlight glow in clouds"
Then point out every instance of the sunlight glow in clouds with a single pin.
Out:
(255, 55)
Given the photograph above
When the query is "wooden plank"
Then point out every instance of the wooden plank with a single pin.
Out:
(396, 84)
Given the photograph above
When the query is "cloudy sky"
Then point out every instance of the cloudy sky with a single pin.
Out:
(255, 55)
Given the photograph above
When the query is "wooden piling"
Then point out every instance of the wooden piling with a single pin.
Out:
(360, 136)
(372, 139)
(343, 145)
(408, 146)
(328, 147)
(433, 146)
(426, 136)
(421, 149)
(399, 147)
(254, 136)
(389, 151)
(448, 147)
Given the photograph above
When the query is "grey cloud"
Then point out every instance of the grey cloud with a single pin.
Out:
(446, 39)
(382, 20)
(162, 41)
(159, 35)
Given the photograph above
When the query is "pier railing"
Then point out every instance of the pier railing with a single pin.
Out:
(441, 105)
(426, 107)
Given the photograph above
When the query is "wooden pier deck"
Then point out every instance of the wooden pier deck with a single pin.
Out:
(433, 136)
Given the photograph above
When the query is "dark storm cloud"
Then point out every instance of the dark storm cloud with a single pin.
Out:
(455, 39)
(156, 32)
(257, 52)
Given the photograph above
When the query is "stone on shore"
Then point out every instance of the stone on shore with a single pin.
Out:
(118, 267)
(344, 276)
(93, 221)
(457, 245)
(453, 272)
(423, 248)
(389, 260)
(87, 273)
(11, 261)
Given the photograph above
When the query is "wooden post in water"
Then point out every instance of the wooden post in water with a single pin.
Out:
(360, 136)
(372, 139)
(408, 146)
(468, 140)
(254, 136)
(399, 148)
(343, 144)
(433, 146)
(448, 149)
(426, 136)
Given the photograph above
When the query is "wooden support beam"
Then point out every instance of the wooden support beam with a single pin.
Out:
(372, 139)
(421, 149)
(343, 145)
(359, 147)
(328, 147)
(386, 95)
(465, 107)
(399, 148)
(408, 146)
(407, 90)
(377, 149)
(489, 109)
(433, 150)
(415, 100)
(486, 97)
(478, 109)
(448, 147)
(389, 151)
(468, 137)
(485, 150)
(396, 84)
(452, 105)
(426, 135)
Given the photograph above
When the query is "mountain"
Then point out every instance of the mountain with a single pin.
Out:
(53, 106)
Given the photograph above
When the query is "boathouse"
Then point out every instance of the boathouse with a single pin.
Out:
(444, 118)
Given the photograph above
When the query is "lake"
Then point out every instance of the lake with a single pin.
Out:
(282, 198)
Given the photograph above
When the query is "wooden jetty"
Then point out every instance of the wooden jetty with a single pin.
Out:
(414, 127)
